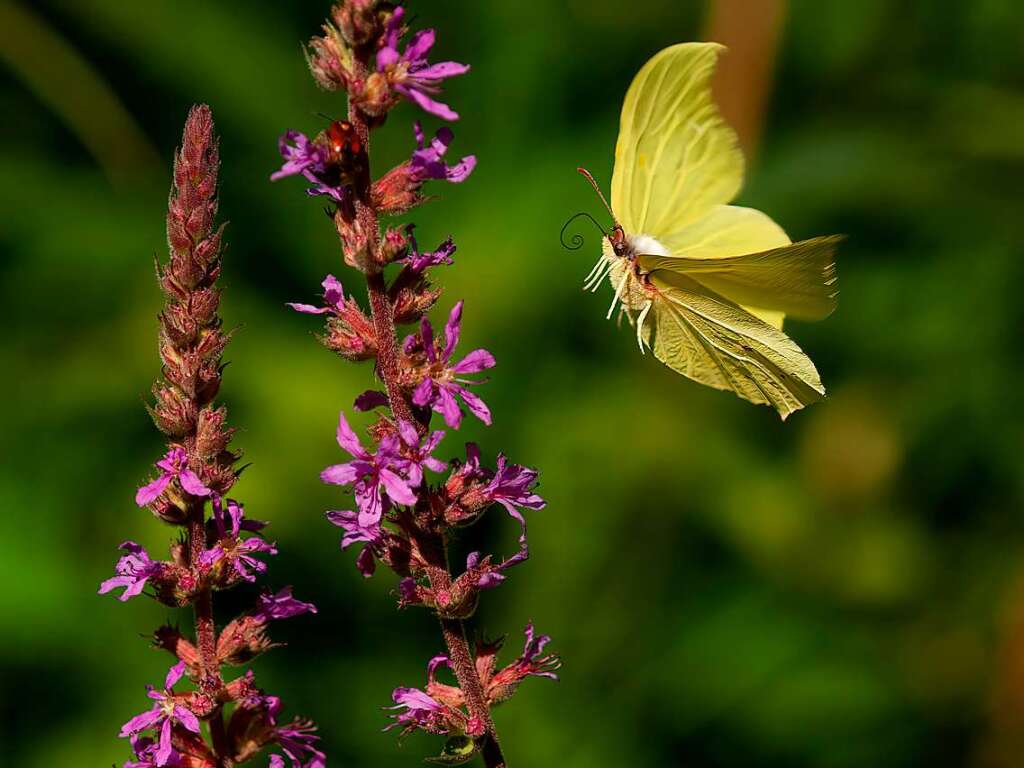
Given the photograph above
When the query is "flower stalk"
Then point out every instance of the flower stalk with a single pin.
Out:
(403, 516)
(211, 553)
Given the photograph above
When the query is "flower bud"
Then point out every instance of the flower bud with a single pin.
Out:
(351, 334)
(170, 639)
(174, 414)
(358, 21)
(412, 296)
(397, 191)
(243, 640)
(330, 60)
(212, 437)
(355, 244)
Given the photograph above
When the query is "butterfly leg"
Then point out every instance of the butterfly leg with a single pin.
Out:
(618, 293)
(640, 325)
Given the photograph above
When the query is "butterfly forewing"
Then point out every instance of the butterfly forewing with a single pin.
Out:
(675, 158)
(797, 279)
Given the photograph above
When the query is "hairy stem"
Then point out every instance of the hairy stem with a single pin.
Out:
(382, 313)
(205, 629)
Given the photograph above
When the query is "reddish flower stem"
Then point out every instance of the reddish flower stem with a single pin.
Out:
(206, 631)
(381, 311)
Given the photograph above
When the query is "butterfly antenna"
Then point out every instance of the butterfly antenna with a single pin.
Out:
(577, 239)
(328, 118)
(593, 182)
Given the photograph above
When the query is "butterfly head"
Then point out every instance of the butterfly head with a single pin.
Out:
(617, 238)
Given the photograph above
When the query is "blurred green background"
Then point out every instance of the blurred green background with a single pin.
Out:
(845, 589)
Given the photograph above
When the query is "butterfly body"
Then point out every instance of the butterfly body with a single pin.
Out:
(706, 284)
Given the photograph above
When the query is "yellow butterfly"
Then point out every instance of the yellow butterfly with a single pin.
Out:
(706, 284)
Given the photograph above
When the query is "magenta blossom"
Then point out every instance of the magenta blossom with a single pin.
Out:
(533, 660)
(281, 605)
(175, 467)
(165, 713)
(133, 571)
(240, 553)
(355, 531)
(334, 299)
(421, 711)
(368, 473)
(417, 452)
(298, 741)
(410, 73)
(427, 161)
(305, 157)
(418, 261)
(443, 382)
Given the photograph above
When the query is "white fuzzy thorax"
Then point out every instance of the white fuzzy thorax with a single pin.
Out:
(647, 245)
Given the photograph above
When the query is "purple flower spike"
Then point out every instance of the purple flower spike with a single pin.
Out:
(281, 605)
(175, 467)
(304, 157)
(410, 73)
(419, 262)
(368, 473)
(428, 160)
(165, 714)
(133, 570)
(334, 299)
(443, 382)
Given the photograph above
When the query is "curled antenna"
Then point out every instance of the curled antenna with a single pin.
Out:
(590, 177)
(577, 239)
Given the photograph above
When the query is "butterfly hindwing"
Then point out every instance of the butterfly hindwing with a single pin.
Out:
(711, 340)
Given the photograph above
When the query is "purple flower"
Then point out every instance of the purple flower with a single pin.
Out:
(354, 532)
(427, 161)
(334, 299)
(443, 381)
(307, 158)
(368, 473)
(420, 711)
(417, 452)
(409, 72)
(241, 553)
(175, 466)
(511, 487)
(371, 399)
(532, 661)
(165, 713)
(133, 570)
(418, 262)
(281, 605)
(298, 741)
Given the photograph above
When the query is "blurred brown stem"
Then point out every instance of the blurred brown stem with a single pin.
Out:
(743, 81)
(69, 84)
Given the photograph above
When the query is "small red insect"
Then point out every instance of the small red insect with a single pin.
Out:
(343, 141)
